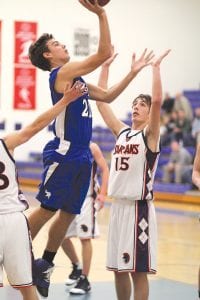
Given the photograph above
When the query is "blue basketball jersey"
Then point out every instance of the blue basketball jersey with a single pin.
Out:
(77, 119)
(72, 128)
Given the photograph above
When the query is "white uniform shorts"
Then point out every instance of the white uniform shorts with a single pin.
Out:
(85, 225)
(132, 237)
(15, 250)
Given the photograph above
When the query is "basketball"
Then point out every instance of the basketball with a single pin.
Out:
(100, 2)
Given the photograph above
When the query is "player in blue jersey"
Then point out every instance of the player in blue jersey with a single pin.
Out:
(67, 158)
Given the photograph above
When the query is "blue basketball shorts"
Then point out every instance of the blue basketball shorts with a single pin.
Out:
(64, 185)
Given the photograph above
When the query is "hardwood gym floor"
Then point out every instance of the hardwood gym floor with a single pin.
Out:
(178, 257)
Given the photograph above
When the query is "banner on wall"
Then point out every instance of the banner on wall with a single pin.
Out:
(24, 71)
(25, 82)
(25, 35)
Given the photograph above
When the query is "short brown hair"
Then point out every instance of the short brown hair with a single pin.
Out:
(145, 97)
(36, 51)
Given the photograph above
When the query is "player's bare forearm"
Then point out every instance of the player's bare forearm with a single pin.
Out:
(112, 93)
(70, 94)
(105, 110)
(80, 68)
(136, 66)
(104, 49)
(156, 86)
(156, 82)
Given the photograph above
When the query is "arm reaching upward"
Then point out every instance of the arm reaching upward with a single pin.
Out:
(108, 95)
(105, 110)
(153, 129)
(71, 70)
(19, 137)
(136, 66)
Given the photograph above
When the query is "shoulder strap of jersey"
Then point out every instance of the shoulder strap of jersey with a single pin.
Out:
(125, 129)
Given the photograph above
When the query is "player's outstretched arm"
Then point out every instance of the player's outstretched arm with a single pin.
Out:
(79, 68)
(112, 93)
(153, 129)
(104, 108)
(104, 48)
(70, 94)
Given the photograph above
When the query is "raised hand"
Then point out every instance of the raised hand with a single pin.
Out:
(144, 60)
(95, 8)
(77, 90)
(156, 62)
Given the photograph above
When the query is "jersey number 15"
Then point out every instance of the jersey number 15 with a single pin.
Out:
(121, 163)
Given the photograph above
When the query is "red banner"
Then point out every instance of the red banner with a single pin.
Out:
(25, 81)
(25, 72)
(25, 34)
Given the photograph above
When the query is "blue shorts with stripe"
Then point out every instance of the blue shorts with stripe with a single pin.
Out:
(65, 182)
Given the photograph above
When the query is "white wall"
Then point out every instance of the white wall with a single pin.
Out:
(135, 25)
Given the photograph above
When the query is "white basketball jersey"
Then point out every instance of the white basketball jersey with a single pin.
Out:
(133, 167)
(11, 198)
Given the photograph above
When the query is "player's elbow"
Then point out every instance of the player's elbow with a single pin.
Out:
(105, 53)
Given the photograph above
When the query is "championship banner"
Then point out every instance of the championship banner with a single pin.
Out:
(24, 71)
(24, 88)
(25, 34)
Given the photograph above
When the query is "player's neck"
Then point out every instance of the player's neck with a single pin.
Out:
(138, 125)
(57, 63)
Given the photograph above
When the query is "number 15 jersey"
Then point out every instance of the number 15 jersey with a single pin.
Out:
(133, 167)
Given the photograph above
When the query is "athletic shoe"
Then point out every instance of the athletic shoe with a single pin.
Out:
(74, 275)
(42, 271)
(82, 286)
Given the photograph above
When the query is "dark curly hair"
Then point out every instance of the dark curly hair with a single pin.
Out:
(36, 51)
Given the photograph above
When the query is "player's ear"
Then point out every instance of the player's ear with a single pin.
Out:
(47, 55)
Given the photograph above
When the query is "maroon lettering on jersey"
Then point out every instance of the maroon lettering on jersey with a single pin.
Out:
(128, 149)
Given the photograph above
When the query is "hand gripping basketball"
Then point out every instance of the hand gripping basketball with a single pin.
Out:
(100, 2)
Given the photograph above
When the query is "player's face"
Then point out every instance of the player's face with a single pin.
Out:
(58, 51)
(140, 110)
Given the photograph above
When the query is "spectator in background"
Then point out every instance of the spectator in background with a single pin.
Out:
(168, 124)
(180, 161)
(182, 129)
(176, 127)
(182, 103)
(196, 126)
(168, 104)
